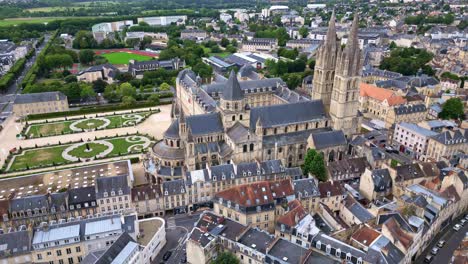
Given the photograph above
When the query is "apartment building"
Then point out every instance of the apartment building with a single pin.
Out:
(113, 194)
(447, 143)
(194, 34)
(257, 204)
(260, 45)
(39, 103)
(411, 113)
(412, 139)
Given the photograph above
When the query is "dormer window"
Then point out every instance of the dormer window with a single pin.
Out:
(318, 245)
(359, 260)
(258, 172)
(259, 208)
(166, 193)
(182, 190)
(112, 193)
(328, 194)
(244, 174)
(250, 173)
(338, 253)
(106, 194)
(120, 192)
(348, 257)
(214, 178)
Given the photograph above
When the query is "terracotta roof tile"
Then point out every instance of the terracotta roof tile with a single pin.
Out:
(294, 215)
(257, 193)
(380, 94)
(395, 229)
(365, 235)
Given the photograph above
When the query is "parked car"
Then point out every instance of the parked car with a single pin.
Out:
(463, 222)
(434, 250)
(184, 258)
(167, 255)
(466, 217)
(428, 258)
(441, 243)
(456, 227)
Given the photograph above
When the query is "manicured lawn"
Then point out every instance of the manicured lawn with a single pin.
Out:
(52, 156)
(29, 20)
(32, 158)
(221, 55)
(90, 124)
(63, 127)
(124, 57)
(94, 149)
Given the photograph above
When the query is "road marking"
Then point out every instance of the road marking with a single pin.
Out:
(171, 223)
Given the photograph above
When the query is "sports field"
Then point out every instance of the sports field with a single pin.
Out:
(124, 57)
(30, 20)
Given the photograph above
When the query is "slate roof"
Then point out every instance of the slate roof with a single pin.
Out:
(257, 239)
(329, 139)
(409, 109)
(218, 225)
(82, 195)
(145, 192)
(174, 187)
(452, 137)
(173, 130)
(357, 209)
(162, 150)
(408, 172)
(109, 184)
(274, 115)
(305, 188)
(29, 202)
(201, 237)
(286, 251)
(108, 256)
(249, 86)
(16, 243)
(334, 188)
(382, 180)
(204, 124)
(351, 165)
(99, 68)
(39, 97)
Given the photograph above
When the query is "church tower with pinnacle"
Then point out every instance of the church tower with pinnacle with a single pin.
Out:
(324, 71)
(344, 100)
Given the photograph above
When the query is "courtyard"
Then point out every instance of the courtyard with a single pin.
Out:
(47, 129)
(79, 151)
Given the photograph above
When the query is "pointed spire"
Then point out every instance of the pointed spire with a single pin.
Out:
(232, 91)
(331, 32)
(353, 39)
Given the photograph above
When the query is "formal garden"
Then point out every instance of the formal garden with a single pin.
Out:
(61, 154)
(84, 124)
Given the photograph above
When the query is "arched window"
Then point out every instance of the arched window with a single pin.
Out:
(251, 147)
(240, 117)
(227, 105)
(286, 130)
(233, 118)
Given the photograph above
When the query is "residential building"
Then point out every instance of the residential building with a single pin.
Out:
(447, 144)
(378, 102)
(257, 204)
(148, 200)
(331, 194)
(410, 113)
(163, 20)
(39, 103)
(194, 34)
(105, 72)
(375, 184)
(259, 45)
(16, 246)
(137, 68)
(113, 194)
(412, 139)
(347, 169)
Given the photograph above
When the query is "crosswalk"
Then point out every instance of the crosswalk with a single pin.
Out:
(171, 224)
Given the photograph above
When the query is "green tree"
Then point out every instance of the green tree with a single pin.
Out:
(318, 168)
(126, 89)
(452, 109)
(224, 42)
(111, 93)
(86, 56)
(87, 92)
(393, 45)
(226, 257)
(128, 101)
(99, 85)
(154, 98)
(58, 61)
(303, 31)
(308, 161)
(164, 87)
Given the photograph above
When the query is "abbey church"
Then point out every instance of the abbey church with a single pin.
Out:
(247, 118)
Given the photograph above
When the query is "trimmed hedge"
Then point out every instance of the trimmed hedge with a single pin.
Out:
(92, 110)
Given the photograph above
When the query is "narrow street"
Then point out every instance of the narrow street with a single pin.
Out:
(8, 97)
(452, 240)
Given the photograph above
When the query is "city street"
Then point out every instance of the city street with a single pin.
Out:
(7, 98)
(452, 240)
(177, 230)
